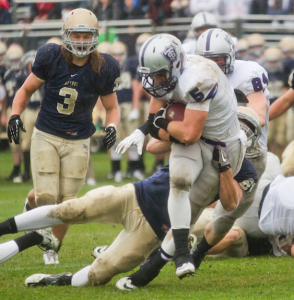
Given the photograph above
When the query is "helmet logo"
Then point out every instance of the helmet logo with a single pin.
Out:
(229, 40)
(170, 53)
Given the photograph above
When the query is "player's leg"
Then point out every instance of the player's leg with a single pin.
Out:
(185, 166)
(74, 159)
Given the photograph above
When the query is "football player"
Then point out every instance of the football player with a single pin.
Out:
(277, 130)
(140, 207)
(256, 47)
(251, 79)
(168, 74)
(75, 75)
(200, 23)
(13, 62)
(30, 114)
(261, 225)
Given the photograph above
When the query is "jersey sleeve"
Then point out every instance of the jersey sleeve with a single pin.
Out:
(256, 80)
(44, 57)
(112, 74)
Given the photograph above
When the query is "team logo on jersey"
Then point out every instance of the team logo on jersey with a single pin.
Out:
(247, 185)
(170, 53)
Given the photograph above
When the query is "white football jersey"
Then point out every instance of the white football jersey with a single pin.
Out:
(250, 77)
(189, 46)
(203, 86)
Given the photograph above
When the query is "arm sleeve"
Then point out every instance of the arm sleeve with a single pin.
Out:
(44, 56)
(257, 80)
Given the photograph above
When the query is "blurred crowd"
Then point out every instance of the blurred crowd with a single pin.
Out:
(157, 10)
(133, 100)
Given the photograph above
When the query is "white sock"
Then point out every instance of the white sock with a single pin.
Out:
(81, 277)
(7, 250)
(168, 247)
(133, 153)
(37, 218)
(179, 208)
(114, 155)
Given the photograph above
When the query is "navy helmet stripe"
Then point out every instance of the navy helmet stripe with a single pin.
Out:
(143, 52)
(208, 40)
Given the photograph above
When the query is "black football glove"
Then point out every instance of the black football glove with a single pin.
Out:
(220, 159)
(14, 124)
(159, 118)
(110, 136)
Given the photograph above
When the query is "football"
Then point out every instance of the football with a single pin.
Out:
(175, 112)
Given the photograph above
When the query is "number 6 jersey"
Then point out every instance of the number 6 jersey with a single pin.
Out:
(70, 95)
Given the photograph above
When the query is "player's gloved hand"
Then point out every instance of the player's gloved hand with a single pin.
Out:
(220, 159)
(159, 119)
(110, 136)
(14, 124)
(136, 138)
(134, 114)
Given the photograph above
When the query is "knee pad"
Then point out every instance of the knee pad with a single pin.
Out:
(45, 199)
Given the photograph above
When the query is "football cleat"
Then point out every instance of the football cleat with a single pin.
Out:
(184, 265)
(50, 257)
(138, 175)
(198, 256)
(49, 240)
(118, 176)
(125, 284)
(48, 279)
(98, 250)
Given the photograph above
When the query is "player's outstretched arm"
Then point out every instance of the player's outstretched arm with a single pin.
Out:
(229, 191)
(258, 103)
(155, 146)
(281, 105)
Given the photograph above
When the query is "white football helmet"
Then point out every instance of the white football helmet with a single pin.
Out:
(3, 50)
(29, 57)
(215, 43)
(161, 52)
(13, 57)
(119, 51)
(141, 39)
(250, 125)
(80, 20)
(203, 20)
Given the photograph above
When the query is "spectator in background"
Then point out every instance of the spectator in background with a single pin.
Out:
(197, 6)
(107, 9)
(234, 8)
(258, 7)
(45, 11)
(5, 15)
(158, 10)
(280, 7)
(132, 9)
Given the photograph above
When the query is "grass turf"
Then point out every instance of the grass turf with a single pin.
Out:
(264, 277)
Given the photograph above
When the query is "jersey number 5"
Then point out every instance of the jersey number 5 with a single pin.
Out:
(69, 103)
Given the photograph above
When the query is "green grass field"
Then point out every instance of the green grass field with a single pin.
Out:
(265, 277)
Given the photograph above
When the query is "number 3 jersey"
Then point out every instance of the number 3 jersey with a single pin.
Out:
(204, 87)
(70, 95)
(250, 77)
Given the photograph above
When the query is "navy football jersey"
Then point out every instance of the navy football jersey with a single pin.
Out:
(70, 95)
(9, 82)
(152, 195)
(127, 74)
(37, 97)
(276, 85)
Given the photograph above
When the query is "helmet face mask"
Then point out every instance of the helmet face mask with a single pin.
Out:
(83, 22)
(13, 57)
(161, 55)
(160, 89)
